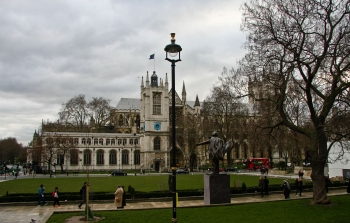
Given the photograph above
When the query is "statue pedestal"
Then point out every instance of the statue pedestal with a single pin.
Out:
(217, 189)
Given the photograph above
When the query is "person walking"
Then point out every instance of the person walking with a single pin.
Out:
(301, 173)
(118, 199)
(296, 186)
(41, 195)
(266, 185)
(83, 194)
(56, 198)
(286, 189)
(300, 185)
(261, 186)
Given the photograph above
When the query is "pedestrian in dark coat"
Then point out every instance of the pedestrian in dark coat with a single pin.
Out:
(261, 186)
(266, 182)
(83, 194)
(301, 173)
(296, 186)
(286, 189)
(300, 185)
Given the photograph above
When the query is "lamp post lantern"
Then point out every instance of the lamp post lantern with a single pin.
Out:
(173, 50)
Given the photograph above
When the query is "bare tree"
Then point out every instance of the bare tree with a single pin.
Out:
(77, 113)
(64, 144)
(74, 113)
(223, 109)
(43, 150)
(51, 148)
(100, 112)
(302, 48)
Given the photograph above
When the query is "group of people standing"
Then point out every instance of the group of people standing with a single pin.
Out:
(264, 186)
(119, 199)
(55, 195)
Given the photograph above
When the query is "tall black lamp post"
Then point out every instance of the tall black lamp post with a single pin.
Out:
(173, 50)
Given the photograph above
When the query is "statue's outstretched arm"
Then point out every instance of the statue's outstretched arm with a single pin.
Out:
(202, 143)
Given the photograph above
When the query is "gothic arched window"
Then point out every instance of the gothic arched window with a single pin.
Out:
(112, 157)
(137, 157)
(156, 143)
(157, 103)
(74, 157)
(125, 157)
(87, 157)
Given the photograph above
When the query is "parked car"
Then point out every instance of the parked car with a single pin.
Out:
(118, 173)
(231, 169)
(182, 171)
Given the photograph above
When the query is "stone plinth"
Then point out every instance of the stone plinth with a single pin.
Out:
(217, 189)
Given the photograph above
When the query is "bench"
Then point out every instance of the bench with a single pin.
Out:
(75, 173)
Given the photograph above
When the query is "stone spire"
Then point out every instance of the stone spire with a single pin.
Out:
(184, 93)
(147, 80)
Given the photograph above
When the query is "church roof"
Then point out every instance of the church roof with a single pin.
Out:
(192, 104)
(128, 103)
(178, 100)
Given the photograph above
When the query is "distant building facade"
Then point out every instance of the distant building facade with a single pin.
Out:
(137, 136)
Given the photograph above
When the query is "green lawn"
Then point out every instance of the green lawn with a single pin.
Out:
(288, 211)
(108, 184)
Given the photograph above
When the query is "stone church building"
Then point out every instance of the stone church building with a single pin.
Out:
(138, 136)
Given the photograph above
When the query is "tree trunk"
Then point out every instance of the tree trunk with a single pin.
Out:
(319, 156)
(319, 189)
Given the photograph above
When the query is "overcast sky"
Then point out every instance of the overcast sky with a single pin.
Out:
(51, 51)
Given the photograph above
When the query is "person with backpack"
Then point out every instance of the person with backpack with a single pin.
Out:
(41, 195)
(83, 194)
(56, 198)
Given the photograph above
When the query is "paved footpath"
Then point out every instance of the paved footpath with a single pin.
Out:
(24, 214)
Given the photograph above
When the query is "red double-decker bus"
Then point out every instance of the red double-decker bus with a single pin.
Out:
(257, 163)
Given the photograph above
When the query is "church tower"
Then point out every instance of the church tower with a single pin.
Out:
(154, 114)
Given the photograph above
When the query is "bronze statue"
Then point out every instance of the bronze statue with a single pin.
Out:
(217, 150)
